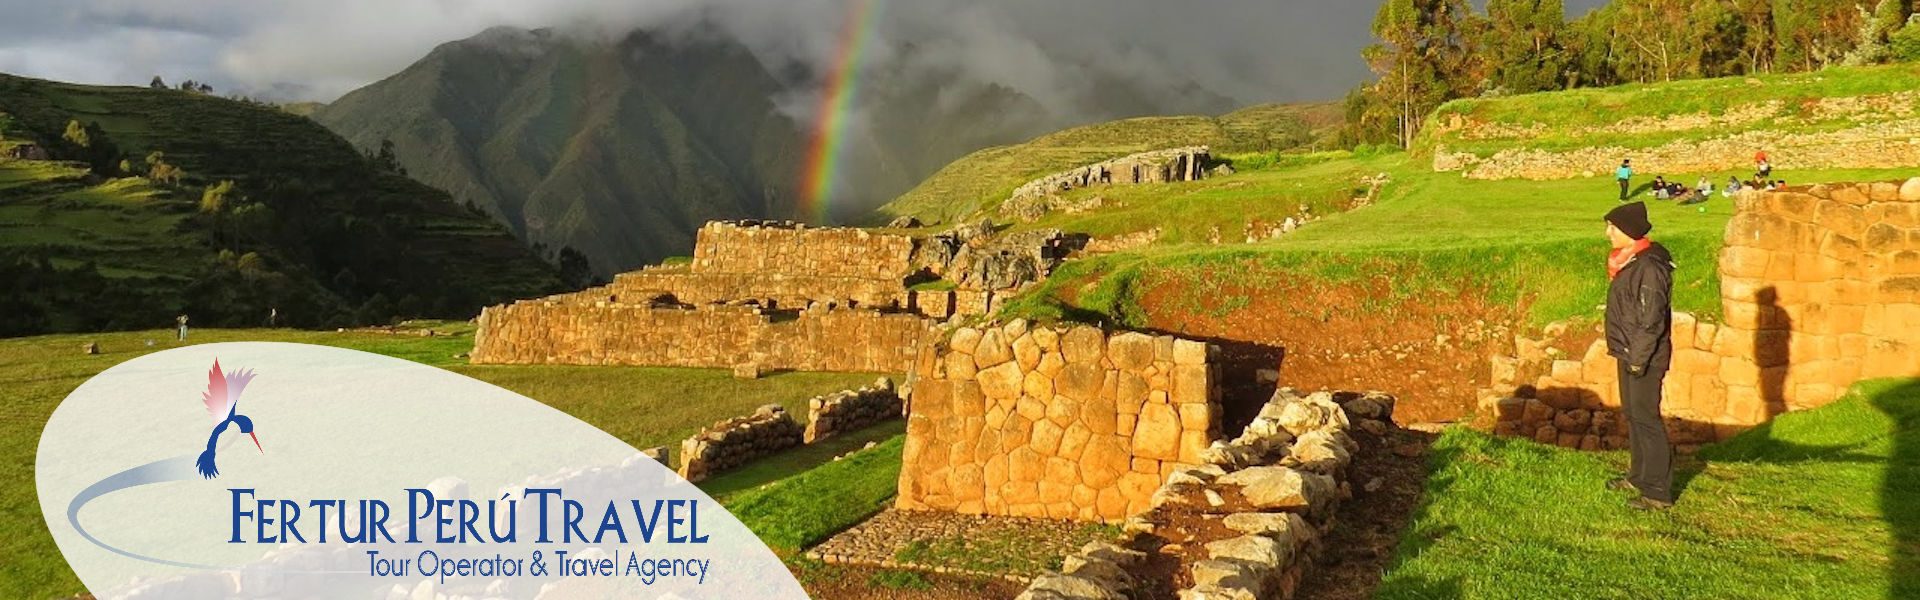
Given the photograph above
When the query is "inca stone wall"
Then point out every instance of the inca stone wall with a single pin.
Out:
(1247, 522)
(734, 442)
(1069, 424)
(715, 336)
(1866, 131)
(849, 410)
(1820, 288)
(1036, 198)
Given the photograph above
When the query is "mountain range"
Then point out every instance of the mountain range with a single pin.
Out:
(622, 148)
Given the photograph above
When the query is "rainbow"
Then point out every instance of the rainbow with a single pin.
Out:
(824, 151)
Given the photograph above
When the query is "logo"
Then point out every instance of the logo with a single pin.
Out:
(223, 404)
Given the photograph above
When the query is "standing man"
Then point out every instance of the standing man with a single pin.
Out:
(1625, 175)
(182, 322)
(1639, 323)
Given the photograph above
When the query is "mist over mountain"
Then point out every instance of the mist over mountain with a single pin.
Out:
(620, 147)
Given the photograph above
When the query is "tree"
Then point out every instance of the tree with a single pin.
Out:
(157, 83)
(1521, 45)
(159, 171)
(1423, 59)
(77, 134)
(213, 200)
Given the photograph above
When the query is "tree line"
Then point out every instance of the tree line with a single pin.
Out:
(1432, 51)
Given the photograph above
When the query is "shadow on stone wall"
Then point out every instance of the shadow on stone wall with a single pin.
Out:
(1772, 349)
(1242, 390)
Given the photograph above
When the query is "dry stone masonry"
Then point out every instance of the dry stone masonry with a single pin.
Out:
(774, 295)
(850, 410)
(1820, 288)
(1247, 522)
(733, 442)
(1868, 131)
(1035, 198)
(1036, 421)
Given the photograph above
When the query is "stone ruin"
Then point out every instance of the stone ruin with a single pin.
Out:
(1246, 522)
(736, 441)
(850, 410)
(1034, 421)
(1820, 288)
(1035, 198)
(775, 295)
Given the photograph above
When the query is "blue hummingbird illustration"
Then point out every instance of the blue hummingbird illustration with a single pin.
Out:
(223, 398)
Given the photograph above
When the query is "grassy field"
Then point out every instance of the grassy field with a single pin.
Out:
(1533, 243)
(1581, 118)
(642, 406)
(978, 182)
(1818, 504)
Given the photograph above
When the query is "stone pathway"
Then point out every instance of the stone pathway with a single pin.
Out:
(1010, 548)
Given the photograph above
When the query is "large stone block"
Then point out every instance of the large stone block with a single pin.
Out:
(1158, 433)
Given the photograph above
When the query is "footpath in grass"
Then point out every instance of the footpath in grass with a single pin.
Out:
(641, 406)
(1818, 504)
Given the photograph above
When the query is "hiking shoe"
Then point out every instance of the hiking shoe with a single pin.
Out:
(1622, 484)
(1648, 504)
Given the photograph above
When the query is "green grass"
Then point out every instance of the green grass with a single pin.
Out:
(977, 183)
(642, 406)
(805, 509)
(1532, 243)
(1577, 118)
(1817, 504)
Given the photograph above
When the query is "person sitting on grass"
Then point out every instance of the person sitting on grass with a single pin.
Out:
(1733, 187)
(1660, 187)
(1705, 187)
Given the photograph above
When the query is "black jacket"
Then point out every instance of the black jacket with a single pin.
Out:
(1640, 311)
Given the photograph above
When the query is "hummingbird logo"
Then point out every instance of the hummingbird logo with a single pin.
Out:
(222, 399)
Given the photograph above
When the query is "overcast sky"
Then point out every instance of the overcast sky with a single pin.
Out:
(1248, 50)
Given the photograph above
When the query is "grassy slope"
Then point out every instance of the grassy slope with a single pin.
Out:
(1577, 118)
(1533, 242)
(981, 180)
(1818, 504)
(332, 209)
(642, 406)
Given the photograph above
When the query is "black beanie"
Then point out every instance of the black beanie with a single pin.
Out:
(1631, 219)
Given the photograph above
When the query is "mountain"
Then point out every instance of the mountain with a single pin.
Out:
(622, 148)
(980, 181)
(139, 204)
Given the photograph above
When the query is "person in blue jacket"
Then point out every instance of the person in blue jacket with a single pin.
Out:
(1625, 175)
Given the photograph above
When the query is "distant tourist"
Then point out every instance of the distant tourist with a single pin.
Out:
(273, 317)
(1660, 187)
(182, 322)
(1762, 165)
(1733, 187)
(1638, 316)
(1705, 187)
(1625, 175)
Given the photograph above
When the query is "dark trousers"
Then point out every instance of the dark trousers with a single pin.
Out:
(1623, 189)
(1651, 468)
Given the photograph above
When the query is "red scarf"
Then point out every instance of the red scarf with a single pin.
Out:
(1619, 259)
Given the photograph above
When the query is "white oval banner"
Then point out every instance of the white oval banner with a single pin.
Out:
(297, 471)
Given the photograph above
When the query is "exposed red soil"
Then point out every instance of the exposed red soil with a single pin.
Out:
(1431, 352)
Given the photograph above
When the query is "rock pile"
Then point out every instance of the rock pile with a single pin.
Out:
(849, 410)
(1037, 197)
(733, 442)
(1073, 423)
(1247, 521)
(973, 257)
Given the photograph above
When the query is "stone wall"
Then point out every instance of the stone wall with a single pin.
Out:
(792, 249)
(734, 442)
(1820, 288)
(1247, 522)
(716, 336)
(1062, 423)
(848, 410)
(1037, 197)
